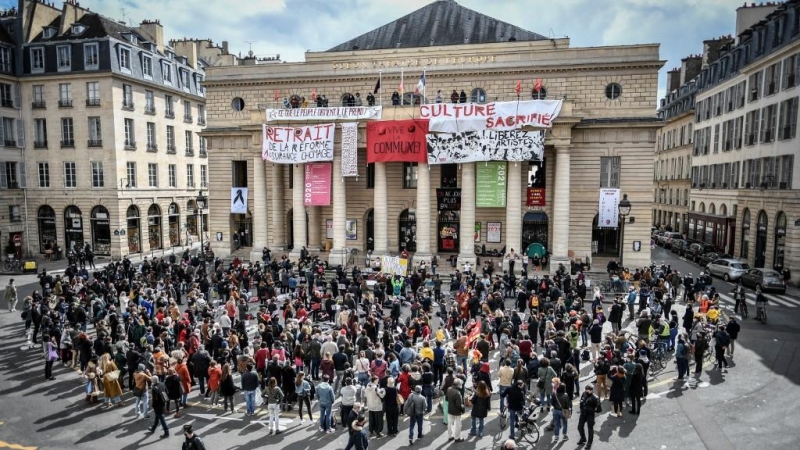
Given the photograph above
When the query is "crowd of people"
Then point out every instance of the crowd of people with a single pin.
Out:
(376, 345)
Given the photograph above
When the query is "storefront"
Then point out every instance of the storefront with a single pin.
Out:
(46, 221)
(534, 229)
(73, 227)
(154, 227)
(134, 230)
(710, 229)
(780, 241)
(174, 225)
(101, 231)
(761, 240)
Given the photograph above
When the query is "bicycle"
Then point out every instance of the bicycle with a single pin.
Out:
(13, 265)
(527, 428)
(761, 312)
(740, 305)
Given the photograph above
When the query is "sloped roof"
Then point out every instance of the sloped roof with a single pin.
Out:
(96, 25)
(443, 22)
(5, 37)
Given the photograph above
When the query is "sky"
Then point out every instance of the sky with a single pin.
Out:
(291, 27)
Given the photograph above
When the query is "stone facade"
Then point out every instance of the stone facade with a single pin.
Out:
(671, 172)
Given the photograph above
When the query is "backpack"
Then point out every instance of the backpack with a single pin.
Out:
(723, 339)
(585, 355)
(159, 390)
(543, 286)
(514, 356)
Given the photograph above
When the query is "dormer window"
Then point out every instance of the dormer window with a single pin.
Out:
(78, 29)
(48, 32)
(125, 59)
(152, 47)
(170, 55)
(166, 68)
(130, 37)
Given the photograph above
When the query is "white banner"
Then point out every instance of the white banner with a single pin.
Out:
(394, 265)
(238, 200)
(609, 209)
(334, 113)
(487, 145)
(295, 145)
(460, 117)
(350, 149)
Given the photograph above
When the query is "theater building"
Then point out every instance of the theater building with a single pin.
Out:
(482, 186)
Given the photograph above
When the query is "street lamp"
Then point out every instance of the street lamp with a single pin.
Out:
(624, 208)
(200, 202)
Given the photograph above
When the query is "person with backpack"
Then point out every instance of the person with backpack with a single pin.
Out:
(193, 441)
(721, 342)
(160, 403)
(733, 332)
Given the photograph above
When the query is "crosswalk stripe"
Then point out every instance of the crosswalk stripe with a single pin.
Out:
(774, 299)
(732, 302)
(788, 299)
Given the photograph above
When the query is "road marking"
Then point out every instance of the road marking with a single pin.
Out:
(781, 301)
(4, 444)
(213, 417)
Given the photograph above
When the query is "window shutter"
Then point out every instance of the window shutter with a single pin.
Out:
(20, 133)
(16, 96)
(2, 133)
(615, 171)
(604, 171)
(3, 179)
(22, 176)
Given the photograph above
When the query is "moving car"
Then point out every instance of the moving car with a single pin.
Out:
(668, 237)
(729, 269)
(711, 256)
(697, 249)
(767, 279)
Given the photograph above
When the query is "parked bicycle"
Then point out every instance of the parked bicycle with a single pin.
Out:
(12, 264)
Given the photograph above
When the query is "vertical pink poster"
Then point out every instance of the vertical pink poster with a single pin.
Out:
(317, 186)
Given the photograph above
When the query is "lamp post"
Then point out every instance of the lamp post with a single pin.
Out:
(200, 201)
(624, 208)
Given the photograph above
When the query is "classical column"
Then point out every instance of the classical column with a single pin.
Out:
(514, 212)
(298, 210)
(381, 211)
(560, 251)
(423, 213)
(278, 213)
(338, 254)
(467, 225)
(314, 226)
(260, 223)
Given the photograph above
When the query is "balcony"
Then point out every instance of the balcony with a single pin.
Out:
(169, 114)
(152, 147)
(39, 144)
(189, 151)
(7, 103)
(150, 109)
(127, 105)
(65, 103)
(787, 132)
(92, 102)
(201, 121)
(130, 144)
(94, 143)
(789, 81)
(68, 143)
(40, 104)
(171, 149)
(10, 143)
(187, 118)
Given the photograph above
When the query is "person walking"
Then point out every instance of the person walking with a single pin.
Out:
(10, 296)
(111, 388)
(214, 379)
(391, 407)
(455, 408)
(562, 411)
(273, 397)
(589, 404)
(515, 402)
(160, 402)
(50, 356)
(326, 398)
(141, 380)
(374, 395)
(249, 386)
(481, 404)
(192, 441)
(414, 408)
(733, 332)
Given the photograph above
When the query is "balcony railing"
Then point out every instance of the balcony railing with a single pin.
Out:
(92, 102)
(201, 120)
(95, 143)
(67, 143)
(127, 105)
(189, 151)
(152, 147)
(65, 103)
(149, 109)
(169, 114)
(187, 118)
(130, 145)
(39, 144)
(171, 149)
(41, 104)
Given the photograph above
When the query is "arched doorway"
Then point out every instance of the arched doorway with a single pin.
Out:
(448, 234)
(723, 210)
(101, 230)
(174, 214)
(761, 239)
(191, 219)
(534, 229)
(154, 227)
(780, 241)
(744, 250)
(605, 241)
(369, 220)
(134, 230)
(290, 229)
(73, 227)
(702, 207)
(407, 231)
(46, 219)
(712, 209)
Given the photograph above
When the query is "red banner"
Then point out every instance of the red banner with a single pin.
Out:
(535, 197)
(397, 141)
(317, 184)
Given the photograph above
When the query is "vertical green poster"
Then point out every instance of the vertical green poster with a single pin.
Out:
(490, 188)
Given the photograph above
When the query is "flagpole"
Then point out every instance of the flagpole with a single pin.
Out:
(380, 86)
(424, 85)
(402, 86)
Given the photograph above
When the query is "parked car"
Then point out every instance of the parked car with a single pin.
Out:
(678, 246)
(767, 279)
(729, 269)
(668, 237)
(711, 256)
(697, 249)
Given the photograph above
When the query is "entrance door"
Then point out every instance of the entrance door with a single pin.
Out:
(370, 223)
(605, 241)
(534, 229)
(761, 240)
(290, 229)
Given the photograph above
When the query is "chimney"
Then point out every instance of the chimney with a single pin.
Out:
(749, 15)
(673, 80)
(714, 48)
(690, 68)
(224, 47)
(154, 29)
(187, 48)
(71, 13)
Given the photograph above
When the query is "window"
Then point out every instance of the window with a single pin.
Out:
(448, 176)
(752, 126)
(127, 97)
(65, 95)
(478, 95)
(771, 78)
(768, 122)
(187, 111)
(203, 151)
(188, 137)
(609, 171)
(40, 133)
(70, 180)
(64, 58)
(168, 111)
(149, 102)
(173, 176)
(755, 86)
(130, 135)
(131, 172)
(185, 80)
(147, 67)
(44, 175)
(788, 115)
(91, 56)
(203, 176)
(97, 174)
(67, 132)
(539, 94)
(785, 175)
(166, 68)
(93, 93)
(37, 60)
(237, 104)
(410, 175)
(6, 96)
(38, 96)
(5, 60)
(190, 175)
(151, 137)
(8, 132)
(201, 114)
(716, 138)
(791, 68)
(125, 60)
(95, 134)
(613, 91)
(152, 174)
(12, 175)
(737, 132)
(170, 139)
(371, 176)
(48, 32)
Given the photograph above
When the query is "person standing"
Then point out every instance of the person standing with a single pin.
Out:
(455, 408)
(588, 406)
(302, 389)
(515, 402)
(721, 342)
(391, 407)
(733, 332)
(481, 404)
(326, 398)
(562, 411)
(415, 408)
(141, 380)
(700, 347)
(273, 397)
(10, 296)
(375, 394)
(193, 441)
(682, 357)
(249, 386)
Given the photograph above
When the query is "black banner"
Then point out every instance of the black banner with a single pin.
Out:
(448, 199)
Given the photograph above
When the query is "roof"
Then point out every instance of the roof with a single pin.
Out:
(5, 37)
(96, 25)
(443, 22)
